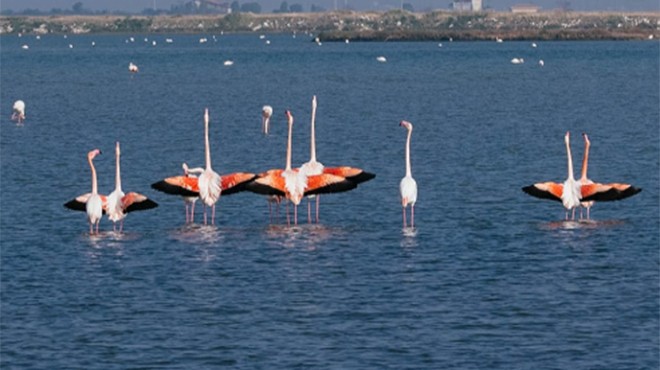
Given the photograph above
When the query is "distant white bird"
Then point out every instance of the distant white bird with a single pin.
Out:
(153, 43)
(132, 68)
(38, 37)
(517, 61)
(533, 44)
(267, 42)
(70, 46)
(266, 113)
(169, 41)
(132, 39)
(541, 63)
(25, 47)
(262, 37)
(203, 40)
(347, 41)
(440, 45)
(381, 59)
(19, 111)
(93, 43)
(229, 63)
(498, 40)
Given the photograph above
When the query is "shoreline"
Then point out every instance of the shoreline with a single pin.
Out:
(394, 25)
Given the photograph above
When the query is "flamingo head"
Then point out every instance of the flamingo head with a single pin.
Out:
(185, 168)
(267, 111)
(586, 139)
(407, 125)
(289, 117)
(93, 154)
(314, 101)
(117, 150)
(567, 137)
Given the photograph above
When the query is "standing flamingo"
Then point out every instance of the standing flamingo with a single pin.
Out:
(189, 201)
(266, 113)
(209, 185)
(19, 111)
(94, 204)
(133, 68)
(120, 204)
(583, 178)
(312, 167)
(572, 192)
(408, 185)
(293, 184)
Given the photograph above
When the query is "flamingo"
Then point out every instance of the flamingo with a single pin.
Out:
(266, 113)
(312, 167)
(571, 193)
(408, 185)
(294, 184)
(19, 111)
(583, 178)
(209, 185)
(120, 204)
(132, 67)
(189, 201)
(94, 204)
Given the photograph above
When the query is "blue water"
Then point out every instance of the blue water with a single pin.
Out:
(490, 278)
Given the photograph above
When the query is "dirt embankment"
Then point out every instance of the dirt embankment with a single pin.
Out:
(366, 26)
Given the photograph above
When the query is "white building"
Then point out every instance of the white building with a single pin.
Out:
(476, 5)
(466, 5)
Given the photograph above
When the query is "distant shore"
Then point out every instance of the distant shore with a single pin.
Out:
(363, 26)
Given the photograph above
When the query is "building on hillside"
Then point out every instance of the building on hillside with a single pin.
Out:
(525, 9)
(466, 5)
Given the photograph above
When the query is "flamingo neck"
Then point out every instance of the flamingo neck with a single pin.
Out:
(117, 174)
(570, 160)
(313, 136)
(408, 167)
(585, 162)
(207, 145)
(288, 145)
(95, 189)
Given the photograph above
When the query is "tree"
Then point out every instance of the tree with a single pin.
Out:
(251, 7)
(317, 9)
(408, 7)
(296, 8)
(284, 7)
(77, 8)
(235, 7)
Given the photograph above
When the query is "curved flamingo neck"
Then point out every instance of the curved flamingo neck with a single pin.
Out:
(288, 145)
(570, 159)
(118, 172)
(585, 161)
(408, 167)
(95, 188)
(313, 136)
(207, 145)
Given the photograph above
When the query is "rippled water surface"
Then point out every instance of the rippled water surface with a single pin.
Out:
(490, 278)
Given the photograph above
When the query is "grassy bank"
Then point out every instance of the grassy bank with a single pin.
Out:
(378, 26)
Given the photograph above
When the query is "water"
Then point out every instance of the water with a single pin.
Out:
(490, 278)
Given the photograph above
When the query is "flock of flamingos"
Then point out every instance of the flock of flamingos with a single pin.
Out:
(309, 180)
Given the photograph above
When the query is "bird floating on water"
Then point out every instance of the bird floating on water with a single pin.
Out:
(133, 68)
(381, 59)
(19, 111)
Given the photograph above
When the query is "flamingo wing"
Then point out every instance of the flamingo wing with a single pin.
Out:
(608, 192)
(545, 190)
(236, 182)
(327, 183)
(356, 175)
(268, 183)
(178, 185)
(137, 202)
(79, 203)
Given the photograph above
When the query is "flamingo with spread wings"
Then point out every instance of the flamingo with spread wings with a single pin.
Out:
(571, 193)
(94, 204)
(293, 184)
(209, 185)
(120, 204)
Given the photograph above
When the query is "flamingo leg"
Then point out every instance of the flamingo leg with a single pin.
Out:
(192, 213)
(213, 214)
(588, 213)
(403, 209)
(97, 226)
(318, 200)
(573, 215)
(412, 215)
(204, 214)
(91, 228)
(121, 226)
(288, 221)
(581, 215)
(270, 211)
(186, 205)
(309, 211)
(295, 214)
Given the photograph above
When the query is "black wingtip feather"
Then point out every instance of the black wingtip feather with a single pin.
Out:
(361, 177)
(258, 188)
(337, 187)
(168, 188)
(141, 206)
(239, 187)
(75, 205)
(535, 192)
(613, 195)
